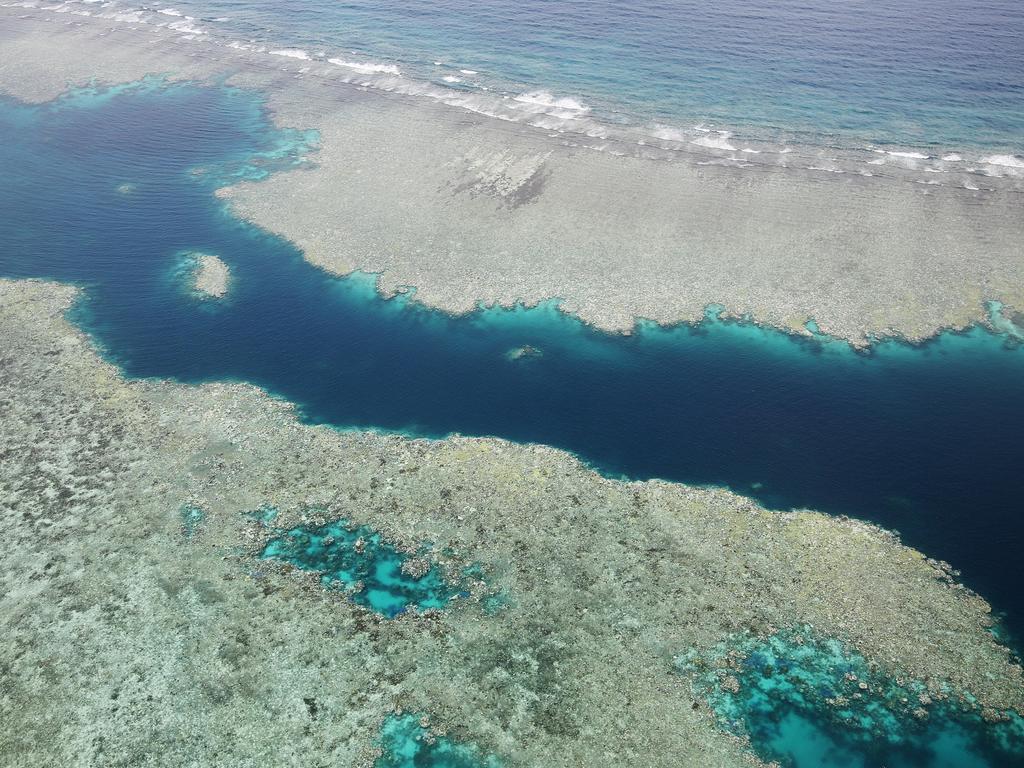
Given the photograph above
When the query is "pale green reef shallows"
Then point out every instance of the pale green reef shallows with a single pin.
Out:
(141, 627)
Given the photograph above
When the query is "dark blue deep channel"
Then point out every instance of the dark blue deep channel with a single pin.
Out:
(110, 189)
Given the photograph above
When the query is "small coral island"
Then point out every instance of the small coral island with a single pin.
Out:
(210, 275)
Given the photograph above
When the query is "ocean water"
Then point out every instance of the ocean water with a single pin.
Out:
(934, 75)
(110, 190)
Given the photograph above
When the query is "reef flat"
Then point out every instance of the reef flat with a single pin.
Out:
(210, 276)
(142, 627)
(498, 216)
(468, 209)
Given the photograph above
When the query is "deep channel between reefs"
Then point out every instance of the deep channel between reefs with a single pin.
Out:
(923, 439)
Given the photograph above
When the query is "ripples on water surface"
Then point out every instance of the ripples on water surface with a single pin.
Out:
(943, 73)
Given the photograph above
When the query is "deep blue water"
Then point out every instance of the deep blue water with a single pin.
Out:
(926, 440)
(943, 73)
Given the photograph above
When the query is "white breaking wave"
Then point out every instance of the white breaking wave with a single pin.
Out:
(185, 25)
(292, 53)
(132, 17)
(541, 108)
(238, 45)
(546, 99)
(909, 155)
(665, 133)
(367, 68)
(721, 141)
(1007, 161)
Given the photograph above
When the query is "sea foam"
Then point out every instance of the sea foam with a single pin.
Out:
(908, 155)
(1007, 161)
(292, 53)
(538, 107)
(367, 68)
(185, 25)
(548, 100)
(719, 141)
(665, 133)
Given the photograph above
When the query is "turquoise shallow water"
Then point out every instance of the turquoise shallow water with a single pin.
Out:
(109, 190)
(357, 560)
(812, 703)
(406, 743)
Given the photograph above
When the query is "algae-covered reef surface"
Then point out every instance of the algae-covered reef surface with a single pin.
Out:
(143, 624)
